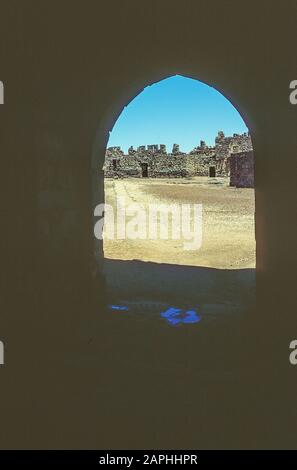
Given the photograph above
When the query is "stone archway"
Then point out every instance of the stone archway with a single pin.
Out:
(98, 157)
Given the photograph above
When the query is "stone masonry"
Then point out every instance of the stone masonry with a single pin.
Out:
(242, 169)
(154, 161)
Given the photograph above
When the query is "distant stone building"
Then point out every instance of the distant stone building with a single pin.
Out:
(153, 161)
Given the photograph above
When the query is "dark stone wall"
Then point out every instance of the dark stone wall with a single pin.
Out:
(242, 170)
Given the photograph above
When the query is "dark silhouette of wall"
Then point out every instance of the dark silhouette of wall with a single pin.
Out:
(68, 71)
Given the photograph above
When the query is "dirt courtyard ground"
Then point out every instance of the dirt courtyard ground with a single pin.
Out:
(228, 232)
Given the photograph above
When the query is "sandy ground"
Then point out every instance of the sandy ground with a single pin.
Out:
(228, 233)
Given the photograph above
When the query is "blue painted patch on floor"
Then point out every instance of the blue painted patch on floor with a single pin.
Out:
(118, 307)
(175, 316)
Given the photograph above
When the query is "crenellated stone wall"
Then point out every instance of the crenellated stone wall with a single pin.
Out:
(153, 161)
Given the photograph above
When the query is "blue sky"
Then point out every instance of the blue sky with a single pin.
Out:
(176, 110)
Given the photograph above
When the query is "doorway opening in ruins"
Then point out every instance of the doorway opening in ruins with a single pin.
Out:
(212, 171)
(196, 250)
(144, 170)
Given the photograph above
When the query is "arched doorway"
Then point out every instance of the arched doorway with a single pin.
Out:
(235, 271)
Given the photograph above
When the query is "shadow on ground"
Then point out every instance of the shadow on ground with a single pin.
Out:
(193, 385)
(149, 286)
(166, 316)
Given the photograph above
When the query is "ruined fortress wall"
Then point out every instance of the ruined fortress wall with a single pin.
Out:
(153, 161)
(242, 169)
(225, 146)
(158, 165)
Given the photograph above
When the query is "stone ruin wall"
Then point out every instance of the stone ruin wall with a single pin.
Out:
(155, 160)
(242, 169)
(225, 146)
